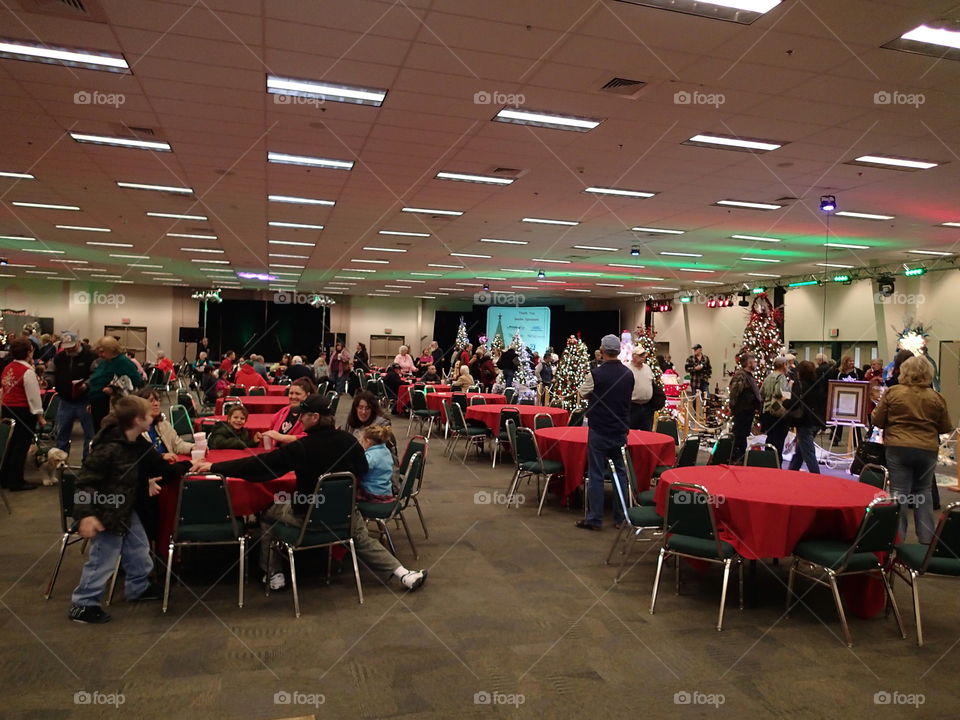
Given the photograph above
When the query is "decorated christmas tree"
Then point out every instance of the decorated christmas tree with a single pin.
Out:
(761, 336)
(462, 340)
(571, 370)
(645, 339)
(524, 380)
(497, 342)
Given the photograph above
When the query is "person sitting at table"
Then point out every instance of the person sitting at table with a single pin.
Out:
(405, 360)
(364, 413)
(201, 364)
(280, 367)
(161, 434)
(321, 370)
(165, 365)
(463, 380)
(226, 365)
(231, 434)
(298, 370)
(248, 377)
(286, 426)
(377, 484)
(426, 357)
(258, 365)
(430, 375)
(323, 449)
(392, 382)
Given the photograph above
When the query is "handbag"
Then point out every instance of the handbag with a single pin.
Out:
(868, 453)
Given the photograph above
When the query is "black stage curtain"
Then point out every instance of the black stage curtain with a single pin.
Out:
(266, 328)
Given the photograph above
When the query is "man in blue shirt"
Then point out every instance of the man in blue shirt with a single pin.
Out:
(609, 388)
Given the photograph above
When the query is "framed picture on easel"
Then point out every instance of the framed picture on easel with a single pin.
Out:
(848, 402)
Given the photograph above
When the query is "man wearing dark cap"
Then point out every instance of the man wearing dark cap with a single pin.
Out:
(698, 366)
(71, 377)
(392, 382)
(609, 388)
(323, 449)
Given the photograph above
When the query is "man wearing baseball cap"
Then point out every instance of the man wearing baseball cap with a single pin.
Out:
(323, 449)
(641, 411)
(71, 378)
(609, 388)
(698, 365)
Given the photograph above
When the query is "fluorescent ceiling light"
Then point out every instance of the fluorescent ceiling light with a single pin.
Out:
(43, 250)
(763, 260)
(370, 262)
(441, 265)
(205, 260)
(325, 91)
(739, 11)
(178, 216)
(625, 265)
(598, 248)
(290, 274)
(416, 281)
(681, 254)
(766, 275)
(426, 274)
(356, 269)
(490, 277)
(292, 242)
(941, 37)
(44, 206)
(547, 120)
(203, 250)
(280, 265)
(733, 143)
(930, 252)
(144, 265)
(294, 257)
(71, 57)
(504, 242)
(404, 234)
(608, 285)
(707, 282)
(158, 188)
(465, 177)
(339, 277)
(834, 265)
(286, 159)
(896, 162)
(576, 290)
(551, 282)
(402, 287)
(192, 235)
(83, 227)
(17, 175)
(51, 272)
(122, 142)
(300, 200)
(106, 276)
(75, 262)
(696, 270)
(846, 246)
(619, 192)
(131, 257)
(951, 224)
(380, 249)
(545, 260)
(18, 238)
(661, 287)
(468, 284)
(428, 211)
(152, 272)
(110, 244)
(751, 205)
(516, 270)
(299, 226)
(469, 255)
(546, 221)
(758, 238)
(521, 287)
(658, 231)
(864, 216)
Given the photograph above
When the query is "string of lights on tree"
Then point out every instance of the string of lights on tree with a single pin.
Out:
(524, 380)
(571, 370)
(761, 336)
(497, 342)
(461, 340)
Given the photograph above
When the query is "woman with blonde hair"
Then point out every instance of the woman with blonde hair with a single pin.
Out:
(913, 416)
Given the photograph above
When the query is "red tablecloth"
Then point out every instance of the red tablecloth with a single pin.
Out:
(489, 415)
(258, 403)
(256, 422)
(569, 445)
(403, 394)
(435, 400)
(248, 498)
(277, 390)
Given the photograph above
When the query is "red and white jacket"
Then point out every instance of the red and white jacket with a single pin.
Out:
(19, 387)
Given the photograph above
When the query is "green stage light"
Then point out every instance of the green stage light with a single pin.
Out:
(841, 278)
(804, 283)
(685, 298)
(914, 271)
(758, 290)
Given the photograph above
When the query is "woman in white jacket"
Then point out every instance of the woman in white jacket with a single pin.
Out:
(161, 434)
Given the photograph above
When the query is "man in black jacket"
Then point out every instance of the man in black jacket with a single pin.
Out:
(745, 402)
(324, 449)
(71, 373)
(392, 382)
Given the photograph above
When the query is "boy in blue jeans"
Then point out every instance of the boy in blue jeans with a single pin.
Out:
(105, 506)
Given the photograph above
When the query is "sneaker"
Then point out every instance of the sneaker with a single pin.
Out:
(414, 579)
(153, 593)
(584, 525)
(88, 614)
(277, 581)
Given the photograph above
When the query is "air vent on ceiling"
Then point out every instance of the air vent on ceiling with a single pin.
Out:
(75, 9)
(624, 87)
(141, 130)
(786, 198)
(508, 172)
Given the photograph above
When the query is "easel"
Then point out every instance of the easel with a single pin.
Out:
(853, 437)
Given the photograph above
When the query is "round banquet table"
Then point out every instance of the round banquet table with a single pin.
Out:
(403, 394)
(256, 422)
(569, 445)
(489, 415)
(765, 512)
(435, 400)
(273, 390)
(258, 403)
(248, 498)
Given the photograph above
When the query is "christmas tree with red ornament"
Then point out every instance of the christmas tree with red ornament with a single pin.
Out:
(571, 370)
(761, 336)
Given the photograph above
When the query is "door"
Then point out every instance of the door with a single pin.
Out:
(384, 348)
(130, 338)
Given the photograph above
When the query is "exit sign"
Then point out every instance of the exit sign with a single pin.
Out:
(834, 332)
(387, 331)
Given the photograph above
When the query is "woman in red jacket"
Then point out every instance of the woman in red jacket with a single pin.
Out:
(20, 398)
(286, 426)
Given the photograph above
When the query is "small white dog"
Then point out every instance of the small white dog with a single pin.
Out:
(48, 461)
